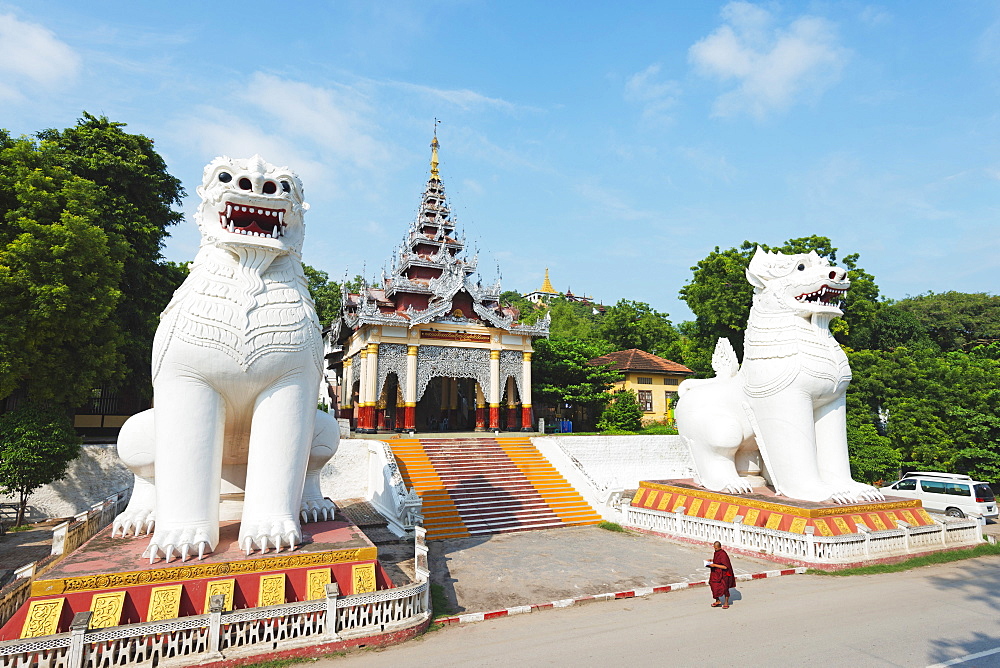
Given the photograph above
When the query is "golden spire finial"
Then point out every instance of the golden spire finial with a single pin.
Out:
(434, 153)
(547, 284)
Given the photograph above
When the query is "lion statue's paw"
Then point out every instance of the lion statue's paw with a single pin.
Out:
(134, 520)
(183, 540)
(738, 486)
(856, 492)
(317, 510)
(277, 533)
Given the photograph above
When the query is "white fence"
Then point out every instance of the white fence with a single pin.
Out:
(808, 547)
(221, 635)
(66, 537)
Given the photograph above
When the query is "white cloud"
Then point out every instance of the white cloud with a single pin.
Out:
(334, 118)
(314, 130)
(656, 97)
(773, 67)
(32, 57)
(874, 16)
(464, 98)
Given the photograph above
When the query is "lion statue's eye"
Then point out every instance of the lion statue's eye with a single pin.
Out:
(225, 177)
(802, 267)
(286, 186)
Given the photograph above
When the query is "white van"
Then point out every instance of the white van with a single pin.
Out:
(953, 494)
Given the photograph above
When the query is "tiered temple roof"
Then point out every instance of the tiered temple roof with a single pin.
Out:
(431, 279)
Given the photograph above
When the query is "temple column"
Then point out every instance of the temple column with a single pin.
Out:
(527, 419)
(512, 416)
(410, 391)
(453, 405)
(361, 424)
(480, 408)
(347, 389)
(372, 385)
(369, 381)
(494, 390)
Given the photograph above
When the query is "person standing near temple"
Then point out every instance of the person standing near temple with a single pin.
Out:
(722, 577)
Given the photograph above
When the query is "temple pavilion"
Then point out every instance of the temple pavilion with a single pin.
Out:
(429, 347)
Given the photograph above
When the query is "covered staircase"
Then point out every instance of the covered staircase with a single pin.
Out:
(477, 486)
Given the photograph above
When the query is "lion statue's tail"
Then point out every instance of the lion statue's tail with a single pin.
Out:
(724, 363)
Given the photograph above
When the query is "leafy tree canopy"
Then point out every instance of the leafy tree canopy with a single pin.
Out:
(83, 215)
(956, 320)
(629, 324)
(60, 277)
(562, 373)
(136, 207)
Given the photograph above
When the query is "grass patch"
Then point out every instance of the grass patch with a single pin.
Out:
(439, 602)
(611, 526)
(23, 527)
(984, 550)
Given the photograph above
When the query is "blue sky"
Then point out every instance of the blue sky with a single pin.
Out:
(615, 144)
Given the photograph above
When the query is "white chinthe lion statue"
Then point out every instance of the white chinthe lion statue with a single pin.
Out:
(237, 362)
(787, 400)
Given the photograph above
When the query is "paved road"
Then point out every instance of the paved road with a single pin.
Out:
(533, 567)
(918, 618)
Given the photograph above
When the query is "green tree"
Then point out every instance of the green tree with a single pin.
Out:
(622, 413)
(60, 276)
(36, 446)
(937, 410)
(890, 327)
(630, 324)
(325, 294)
(135, 210)
(957, 320)
(562, 373)
(572, 320)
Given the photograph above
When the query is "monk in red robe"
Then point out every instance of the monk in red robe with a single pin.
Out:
(722, 577)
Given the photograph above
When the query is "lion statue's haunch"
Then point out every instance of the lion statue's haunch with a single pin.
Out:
(787, 399)
(237, 362)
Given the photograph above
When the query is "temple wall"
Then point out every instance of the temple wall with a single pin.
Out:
(622, 460)
(93, 476)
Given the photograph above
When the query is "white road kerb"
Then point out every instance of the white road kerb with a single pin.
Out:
(611, 596)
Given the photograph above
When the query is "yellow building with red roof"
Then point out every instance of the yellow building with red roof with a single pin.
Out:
(653, 379)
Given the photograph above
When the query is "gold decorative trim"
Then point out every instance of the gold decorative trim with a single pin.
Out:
(164, 603)
(316, 582)
(780, 507)
(271, 590)
(363, 577)
(199, 571)
(42, 618)
(494, 354)
(107, 609)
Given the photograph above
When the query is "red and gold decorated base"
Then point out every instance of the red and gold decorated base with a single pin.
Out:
(111, 574)
(765, 509)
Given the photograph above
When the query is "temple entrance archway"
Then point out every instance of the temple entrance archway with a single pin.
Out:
(448, 404)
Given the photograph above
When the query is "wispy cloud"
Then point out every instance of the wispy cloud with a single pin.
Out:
(314, 129)
(32, 58)
(657, 98)
(611, 202)
(773, 67)
(463, 98)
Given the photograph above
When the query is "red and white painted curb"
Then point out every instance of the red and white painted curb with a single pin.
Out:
(634, 593)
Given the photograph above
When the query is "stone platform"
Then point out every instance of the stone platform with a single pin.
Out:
(764, 508)
(110, 577)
